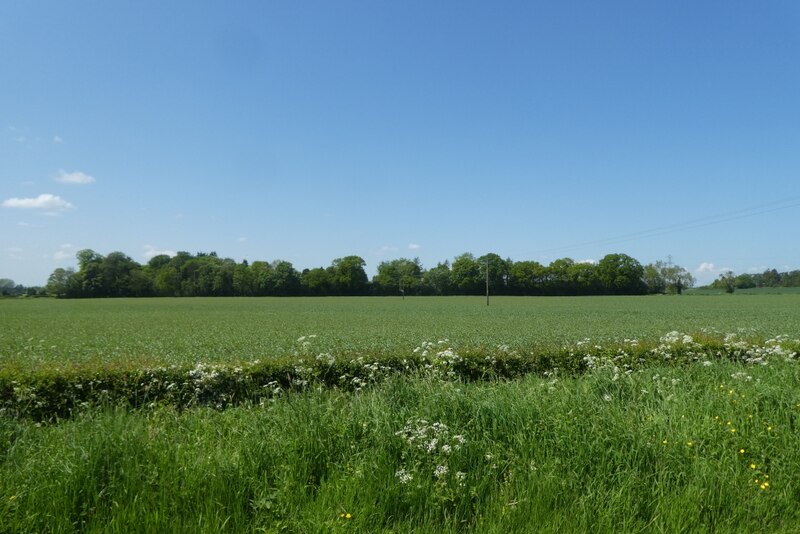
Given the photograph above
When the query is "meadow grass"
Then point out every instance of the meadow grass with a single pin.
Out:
(709, 447)
(632, 431)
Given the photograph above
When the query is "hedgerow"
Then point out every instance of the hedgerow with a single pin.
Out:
(49, 395)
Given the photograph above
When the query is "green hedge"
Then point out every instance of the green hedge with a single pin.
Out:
(49, 395)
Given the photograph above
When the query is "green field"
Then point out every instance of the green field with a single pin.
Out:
(122, 332)
(151, 415)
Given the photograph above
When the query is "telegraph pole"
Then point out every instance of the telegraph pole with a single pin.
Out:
(487, 281)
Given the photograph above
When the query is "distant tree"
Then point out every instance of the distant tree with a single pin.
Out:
(621, 275)
(527, 278)
(791, 279)
(558, 277)
(61, 283)
(89, 278)
(348, 277)
(499, 273)
(584, 279)
(653, 277)
(6, 286)
(398, 276)
(744, 281)
(285, 279)
(436, 280)
(158, 262)
(117, 273)
(465, 275)
(660, 277)
(727, 281)
(316, 282)
(223, 277)
(771, 278)
(243, 280)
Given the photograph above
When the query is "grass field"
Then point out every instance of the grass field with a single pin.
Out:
(45, 332)
(660, 434)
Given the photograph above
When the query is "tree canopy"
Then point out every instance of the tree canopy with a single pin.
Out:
(206, 274)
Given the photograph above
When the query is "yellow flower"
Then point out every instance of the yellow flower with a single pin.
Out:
(752, 466)
(741, 451)
(763, 486)
(689, 443)
(664, 442)
(769, 429)
(733, 430)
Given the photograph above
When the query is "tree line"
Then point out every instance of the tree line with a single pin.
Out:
(769, 278)
(206, 274)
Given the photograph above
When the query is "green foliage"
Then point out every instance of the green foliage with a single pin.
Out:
(621, 275)
(50, 394)
(465, 276)
(666, 448)
(660, 277)
(401, 276)
(726, 281)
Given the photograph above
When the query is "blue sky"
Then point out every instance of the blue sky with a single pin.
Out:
(308, 131)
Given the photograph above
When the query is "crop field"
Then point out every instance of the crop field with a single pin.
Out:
(596, 414)
(146, 332)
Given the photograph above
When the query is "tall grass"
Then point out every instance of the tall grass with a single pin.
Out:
(696, 448)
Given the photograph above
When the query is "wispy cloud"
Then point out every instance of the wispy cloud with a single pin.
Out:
(241, 239)
(76, 177)
(150, 251)
(57, 139)
(45, 201)
(64, 252)
(413, 246)
(706, 267)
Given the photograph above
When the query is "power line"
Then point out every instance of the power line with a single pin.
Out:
(688, 225)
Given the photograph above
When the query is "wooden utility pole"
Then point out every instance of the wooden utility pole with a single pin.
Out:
(487, 281)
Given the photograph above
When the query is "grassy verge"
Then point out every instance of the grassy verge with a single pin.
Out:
(662, 448)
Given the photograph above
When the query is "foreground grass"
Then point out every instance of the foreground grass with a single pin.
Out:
(663, 449)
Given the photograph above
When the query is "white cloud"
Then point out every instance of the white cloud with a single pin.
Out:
(710, 268)
(64, 252)
(76, 177)
(57, 139)
(413, 246)
(706, 267)
(45, 201)
(590, 261)
(150, 252)
(241, 239)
